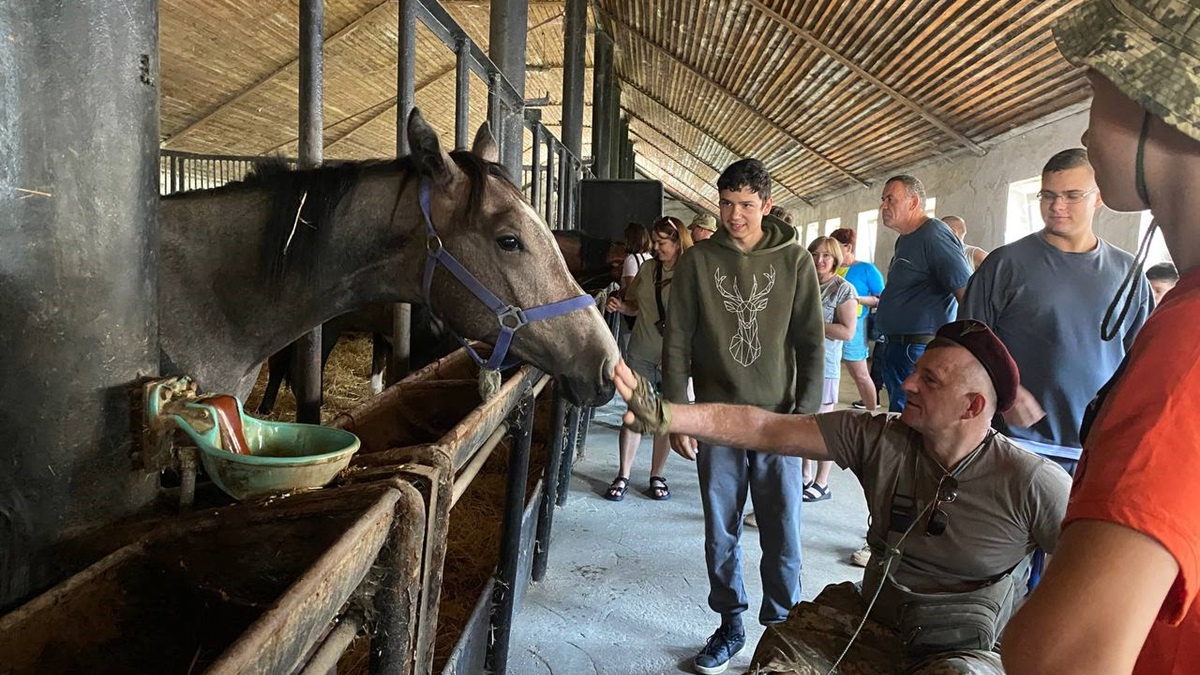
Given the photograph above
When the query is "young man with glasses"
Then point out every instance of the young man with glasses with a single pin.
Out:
(964, 506)
(1045, 295)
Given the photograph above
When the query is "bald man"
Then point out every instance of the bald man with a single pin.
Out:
(974, 254)
(956, 509)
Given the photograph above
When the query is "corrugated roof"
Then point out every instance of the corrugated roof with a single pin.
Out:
(830, 94)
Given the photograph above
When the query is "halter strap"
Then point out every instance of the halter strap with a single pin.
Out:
(510, 318)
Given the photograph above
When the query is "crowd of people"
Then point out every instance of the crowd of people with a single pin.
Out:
(1040, 398)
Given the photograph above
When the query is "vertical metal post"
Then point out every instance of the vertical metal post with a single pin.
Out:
(462, 93)
(564, 189)
(535, 178)
(505, 596)
(613, 132)
(550, 475)
(306, 357)
(574, 43)
(406, 50)
(79, 114)
(626, 155)
(603, 47)
(568, 454)
(508, 33)
(496, 109)
(549, 179)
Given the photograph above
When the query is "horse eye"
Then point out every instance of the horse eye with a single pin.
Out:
(510, 243)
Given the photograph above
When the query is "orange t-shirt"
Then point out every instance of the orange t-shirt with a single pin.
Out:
(1141, 467)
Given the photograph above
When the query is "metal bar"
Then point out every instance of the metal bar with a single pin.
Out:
(400, 360)
(600, 75)
(561, 212)
(462, 93)
(441, 24)
(507, 38)
(612, 122)
(335, 644)
(549, 177)
(574, 43)
(463, 480)
(504, 597)
(535, 178)
(874, 81)
(496, 109)
(568, 455)
(307, 364)
(550, 476)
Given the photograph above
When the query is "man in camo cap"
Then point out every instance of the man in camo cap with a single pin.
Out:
(703, 226)
(1121, 593)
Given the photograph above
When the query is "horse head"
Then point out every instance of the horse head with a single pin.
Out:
(481, 219)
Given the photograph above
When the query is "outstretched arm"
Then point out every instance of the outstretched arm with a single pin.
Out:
(739, 426)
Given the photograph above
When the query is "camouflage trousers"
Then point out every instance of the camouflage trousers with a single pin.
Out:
(815, 634)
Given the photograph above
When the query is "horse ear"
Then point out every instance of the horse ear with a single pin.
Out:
(485, 146)
(423, 143)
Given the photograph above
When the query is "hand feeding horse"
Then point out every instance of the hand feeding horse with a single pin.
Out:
(247, 268)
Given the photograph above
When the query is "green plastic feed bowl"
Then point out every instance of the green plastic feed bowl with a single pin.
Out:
(285, 457)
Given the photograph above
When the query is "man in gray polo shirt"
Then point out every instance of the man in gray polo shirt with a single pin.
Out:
(1045, 295)
(924, 283)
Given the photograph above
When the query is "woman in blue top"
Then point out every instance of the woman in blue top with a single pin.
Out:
(868, 282)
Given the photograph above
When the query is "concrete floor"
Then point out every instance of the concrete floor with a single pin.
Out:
(626, 591)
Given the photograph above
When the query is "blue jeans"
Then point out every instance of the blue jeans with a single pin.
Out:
(776, 485)
(899, 361)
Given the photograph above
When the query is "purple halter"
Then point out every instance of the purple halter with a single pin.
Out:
(510, 317)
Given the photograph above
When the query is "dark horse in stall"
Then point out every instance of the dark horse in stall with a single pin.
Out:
(247, 268)
(594, 262)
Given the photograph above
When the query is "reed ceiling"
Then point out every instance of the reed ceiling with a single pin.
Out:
(831, 94)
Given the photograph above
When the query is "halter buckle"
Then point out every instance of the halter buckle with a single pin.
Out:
(512, 318)
(433, 244)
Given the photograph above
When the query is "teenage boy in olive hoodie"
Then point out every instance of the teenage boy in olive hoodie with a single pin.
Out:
(745, 324)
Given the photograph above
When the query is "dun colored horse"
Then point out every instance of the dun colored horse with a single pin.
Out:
(247, 268)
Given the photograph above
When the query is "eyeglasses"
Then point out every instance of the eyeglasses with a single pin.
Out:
(947, 493)
(1068, 197)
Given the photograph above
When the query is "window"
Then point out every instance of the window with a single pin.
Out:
(831, 225)
(868, 226)
(809, 233)
(1158, 247)
(1024, 213)
(931, 207)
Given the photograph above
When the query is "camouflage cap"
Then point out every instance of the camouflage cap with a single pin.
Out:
(704, 222)
(1150, 49)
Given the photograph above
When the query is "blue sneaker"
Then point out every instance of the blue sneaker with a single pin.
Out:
(721, 647)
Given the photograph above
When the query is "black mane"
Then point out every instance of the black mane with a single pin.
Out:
(304, 201)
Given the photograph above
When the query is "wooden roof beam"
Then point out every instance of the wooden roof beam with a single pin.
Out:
(332, 40)
(691, 121)
(874, 81)
(737, 99)
(665, 175)
(642, 138)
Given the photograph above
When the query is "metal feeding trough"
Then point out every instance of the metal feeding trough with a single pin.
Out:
(246, 457)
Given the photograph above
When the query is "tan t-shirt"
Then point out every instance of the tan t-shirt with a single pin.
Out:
(1010, 501)
(646, 343)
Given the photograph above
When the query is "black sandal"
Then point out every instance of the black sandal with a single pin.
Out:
(616, 491)
(659, 490)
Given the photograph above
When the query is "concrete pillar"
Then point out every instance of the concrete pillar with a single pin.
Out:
(507, 33)
(79, 86)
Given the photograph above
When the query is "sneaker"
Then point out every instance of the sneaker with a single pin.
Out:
(721, 647)
(858, 405)
(751, 520)
(862, 556)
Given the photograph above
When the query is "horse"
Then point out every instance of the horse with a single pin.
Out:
(247, 268)
(594, 262)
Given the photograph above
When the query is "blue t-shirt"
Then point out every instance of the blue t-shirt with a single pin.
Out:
(927, 268)
(1047, 306)
(866, 279)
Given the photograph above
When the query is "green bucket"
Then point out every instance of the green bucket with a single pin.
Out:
(283, 457)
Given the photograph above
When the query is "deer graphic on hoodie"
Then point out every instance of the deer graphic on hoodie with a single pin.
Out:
(746, 326)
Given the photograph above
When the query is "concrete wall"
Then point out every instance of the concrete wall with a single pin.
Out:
(976, 188)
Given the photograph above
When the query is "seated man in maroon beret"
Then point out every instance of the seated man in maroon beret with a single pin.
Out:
(956, 512)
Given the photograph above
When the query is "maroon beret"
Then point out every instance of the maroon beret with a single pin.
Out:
(986, 347)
